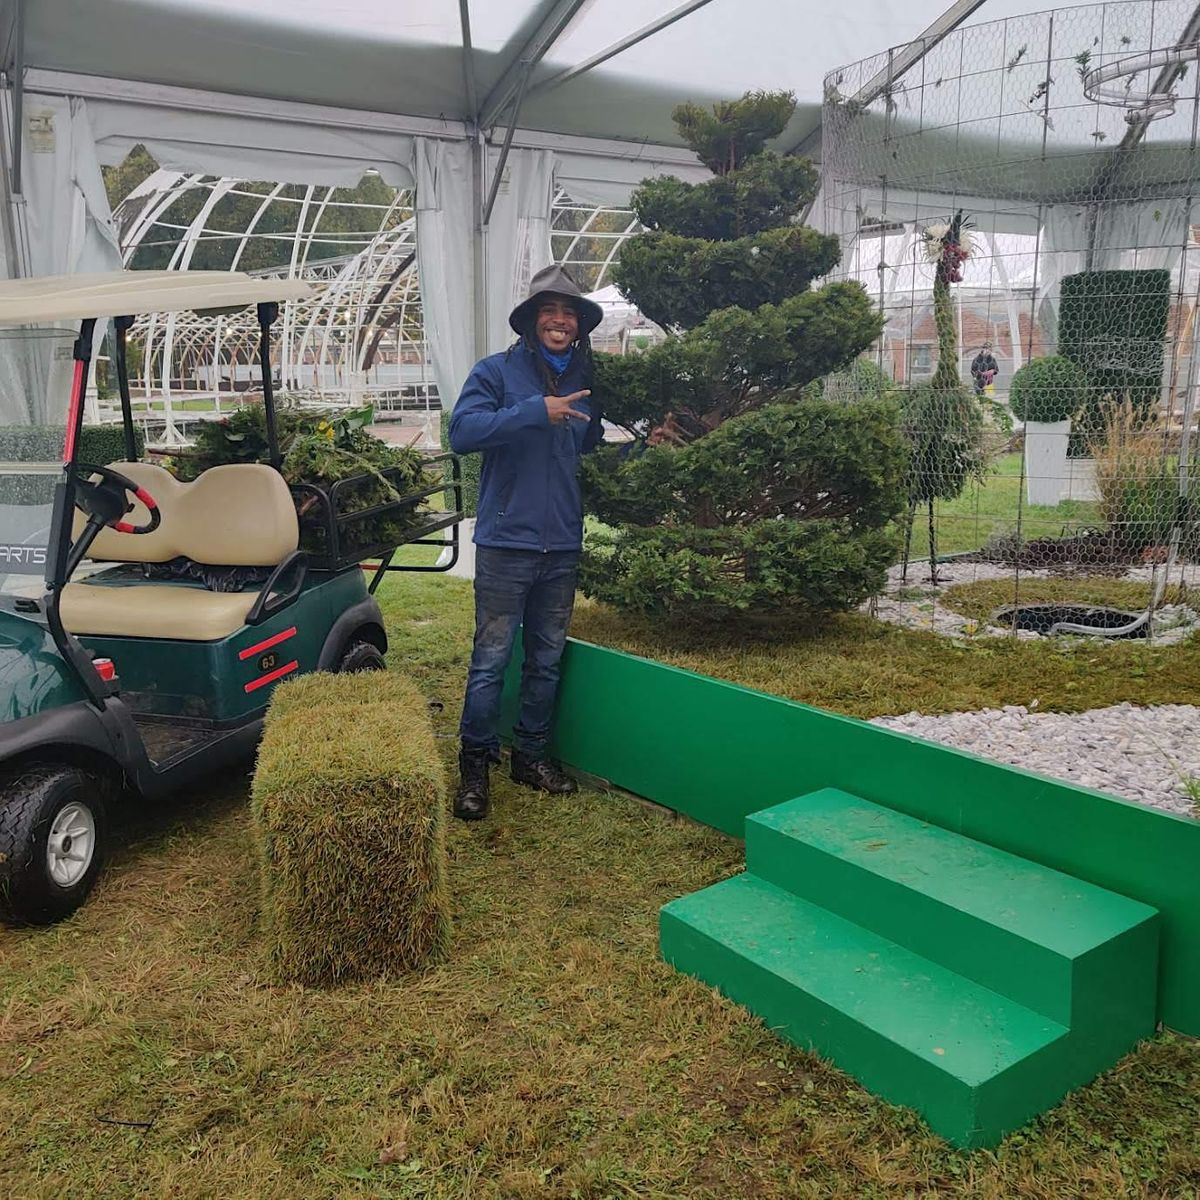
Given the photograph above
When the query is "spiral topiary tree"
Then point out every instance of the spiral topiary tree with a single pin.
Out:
(746, 496)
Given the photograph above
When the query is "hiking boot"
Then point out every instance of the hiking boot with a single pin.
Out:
(471, 801)
(541, 774)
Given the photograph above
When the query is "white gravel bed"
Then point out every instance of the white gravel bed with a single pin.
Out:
(1149, 755)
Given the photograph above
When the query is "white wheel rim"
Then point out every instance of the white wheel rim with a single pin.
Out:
(71, 845)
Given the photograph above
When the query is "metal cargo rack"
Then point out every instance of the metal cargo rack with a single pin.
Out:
(319, 509)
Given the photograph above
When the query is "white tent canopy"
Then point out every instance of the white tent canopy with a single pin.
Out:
(406, 57)
(467, 102)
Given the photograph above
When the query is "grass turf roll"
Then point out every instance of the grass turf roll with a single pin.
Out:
(306, 693)
(349, 806)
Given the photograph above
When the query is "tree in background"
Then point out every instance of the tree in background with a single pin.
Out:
(755, 498)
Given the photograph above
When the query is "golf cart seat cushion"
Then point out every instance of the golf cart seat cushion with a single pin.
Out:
(239, 515)
(153, 610)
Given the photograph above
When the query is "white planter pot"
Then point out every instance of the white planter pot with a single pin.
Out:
(1081, 480)
(1046, 476)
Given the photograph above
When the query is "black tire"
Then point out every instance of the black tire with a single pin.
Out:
(361, 656)
(31, 800)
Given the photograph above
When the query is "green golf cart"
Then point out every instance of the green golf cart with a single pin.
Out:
(145, 621)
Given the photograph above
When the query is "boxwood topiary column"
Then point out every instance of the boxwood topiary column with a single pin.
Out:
(754, 499)
(1113, 324)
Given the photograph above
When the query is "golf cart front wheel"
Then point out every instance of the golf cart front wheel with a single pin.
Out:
(52, 841)
(361, 656)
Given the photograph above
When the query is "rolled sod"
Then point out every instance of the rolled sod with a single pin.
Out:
(349, 805)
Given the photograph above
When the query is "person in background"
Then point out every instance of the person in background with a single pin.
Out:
(528, 411)
(984, 368)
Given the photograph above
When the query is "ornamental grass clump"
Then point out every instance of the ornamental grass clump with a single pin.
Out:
(349, 805)
(1138, 481)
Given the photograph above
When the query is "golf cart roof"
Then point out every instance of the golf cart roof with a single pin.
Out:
(130, 293)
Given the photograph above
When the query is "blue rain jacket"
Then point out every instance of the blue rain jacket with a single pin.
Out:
(529, 482)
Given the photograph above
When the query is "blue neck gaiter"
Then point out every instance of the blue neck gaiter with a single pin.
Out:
(558, 361)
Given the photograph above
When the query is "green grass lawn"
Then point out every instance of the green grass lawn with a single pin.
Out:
(995, 507)
(177, 405)
(144, 1052)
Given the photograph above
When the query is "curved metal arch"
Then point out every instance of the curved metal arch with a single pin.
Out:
(368, 302)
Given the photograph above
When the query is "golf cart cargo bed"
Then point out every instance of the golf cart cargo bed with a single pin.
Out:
(335, 536)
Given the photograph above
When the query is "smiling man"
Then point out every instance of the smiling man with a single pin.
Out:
(528, 410)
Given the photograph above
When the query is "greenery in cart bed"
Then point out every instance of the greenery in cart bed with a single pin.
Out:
(323, 448)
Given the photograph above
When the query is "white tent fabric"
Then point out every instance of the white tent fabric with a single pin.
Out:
(1077, 238)
(444, 250)
(594, 179)
(68, 226)
(65, 226)
(407, 58)
(518, 237)
(317, 91)
(249, 146)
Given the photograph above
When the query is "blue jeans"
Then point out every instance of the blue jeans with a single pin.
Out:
(518, 587)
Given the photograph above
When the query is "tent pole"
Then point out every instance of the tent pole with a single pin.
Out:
(548, 31)
(15, 230)
(902, 61)
(478, 257)
(267, 315)
(7, 204)
(504, 149)
(18, 95)
(464, 20)
(640, 35)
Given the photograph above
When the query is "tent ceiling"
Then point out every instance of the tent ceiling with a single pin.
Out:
(405, 57)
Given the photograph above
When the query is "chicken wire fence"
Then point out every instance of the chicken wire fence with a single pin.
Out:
(1020, 200)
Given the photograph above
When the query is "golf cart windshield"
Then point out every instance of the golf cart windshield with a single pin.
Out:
(36, 369)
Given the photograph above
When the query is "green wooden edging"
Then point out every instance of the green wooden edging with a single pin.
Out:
(716, 752)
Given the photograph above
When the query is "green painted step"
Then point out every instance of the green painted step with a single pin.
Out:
(1083, 956)
(974, 1063)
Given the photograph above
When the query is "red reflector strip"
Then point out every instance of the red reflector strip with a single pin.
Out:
(286, 669)
(105, 669)
(259, 647)
(73, 413)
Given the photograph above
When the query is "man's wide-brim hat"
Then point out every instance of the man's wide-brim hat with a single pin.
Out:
(554, 282)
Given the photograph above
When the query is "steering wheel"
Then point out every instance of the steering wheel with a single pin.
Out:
(107, 502)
